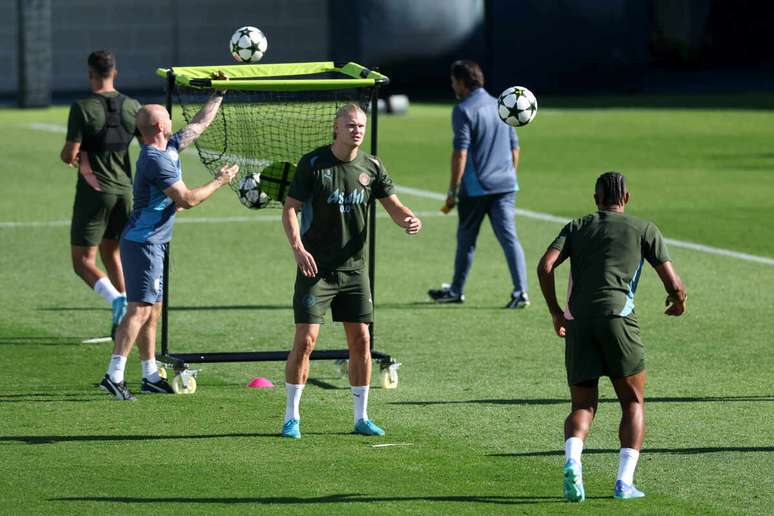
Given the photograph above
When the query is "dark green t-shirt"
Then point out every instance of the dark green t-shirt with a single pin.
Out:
(335, 196)
(607, 251)
(87, 118)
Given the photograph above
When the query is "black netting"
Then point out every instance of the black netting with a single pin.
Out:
(267, 131)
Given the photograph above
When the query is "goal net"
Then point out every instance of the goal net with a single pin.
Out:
(271, 115)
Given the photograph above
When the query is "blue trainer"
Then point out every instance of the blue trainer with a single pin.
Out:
(573, 482)
(367, 427)
(119, 311)
(625, 491)
(292, 429)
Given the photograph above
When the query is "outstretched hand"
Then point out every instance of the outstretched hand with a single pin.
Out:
(227, 173)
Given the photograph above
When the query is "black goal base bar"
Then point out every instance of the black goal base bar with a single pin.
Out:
(181, 360)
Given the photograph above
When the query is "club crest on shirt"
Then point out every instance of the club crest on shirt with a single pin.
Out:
(173, 155)
(364, 179)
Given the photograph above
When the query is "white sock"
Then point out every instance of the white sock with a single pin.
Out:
(150, 371)
(360, 402)
(573, 447)
(629, 458)
(294, 392)
(116, 368)
(104, 288)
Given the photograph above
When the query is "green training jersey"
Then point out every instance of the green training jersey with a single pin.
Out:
(335, 196)
(607, 251)
(87, 118)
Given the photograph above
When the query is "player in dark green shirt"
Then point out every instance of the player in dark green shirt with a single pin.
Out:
(99, 129)
(332, 189)
(607, 250)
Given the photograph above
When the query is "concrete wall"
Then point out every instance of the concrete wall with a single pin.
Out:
(147, 34)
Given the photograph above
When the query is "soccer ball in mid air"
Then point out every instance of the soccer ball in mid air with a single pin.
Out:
(248, 45)
(517, 106)
(250, 193)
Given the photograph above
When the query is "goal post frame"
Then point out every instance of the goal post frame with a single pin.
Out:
(246, 77)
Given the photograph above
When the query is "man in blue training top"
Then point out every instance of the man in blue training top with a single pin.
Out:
(483, 182)
(159, 191)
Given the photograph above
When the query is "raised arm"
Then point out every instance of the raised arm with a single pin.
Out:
(200, 121)
(676, 295)
(304, 259)
(545, 271)
(401, 215)
(186, 198)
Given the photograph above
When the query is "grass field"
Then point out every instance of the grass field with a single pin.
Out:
(482, 397)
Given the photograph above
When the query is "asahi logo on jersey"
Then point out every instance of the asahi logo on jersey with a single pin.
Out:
(346, 202)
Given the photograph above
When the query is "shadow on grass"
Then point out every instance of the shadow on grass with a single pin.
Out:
(37, 400)
(325, 385)
(431, 305)
(40, 341)
(566, 401)
(671, 451)
(171, 308)
(51, 439)
(315, 500)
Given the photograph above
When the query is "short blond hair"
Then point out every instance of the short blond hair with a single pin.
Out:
(344, 110)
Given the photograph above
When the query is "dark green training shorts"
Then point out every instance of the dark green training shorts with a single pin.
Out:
(98, 216)
(603, 346)
(347, 293)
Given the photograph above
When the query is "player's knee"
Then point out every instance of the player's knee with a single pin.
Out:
(360, 344)
(304, 344)
(82, 263)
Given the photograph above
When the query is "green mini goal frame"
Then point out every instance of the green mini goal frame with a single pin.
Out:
(284, 77)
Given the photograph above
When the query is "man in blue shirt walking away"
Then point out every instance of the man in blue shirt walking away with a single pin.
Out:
(159, 192)
(483, 182)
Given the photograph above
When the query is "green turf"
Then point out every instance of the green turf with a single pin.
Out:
(481, 398)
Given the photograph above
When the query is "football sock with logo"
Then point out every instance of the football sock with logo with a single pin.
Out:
(293, 392)
(116, 368)
(360, 402)
(627, 465)
(104, 288)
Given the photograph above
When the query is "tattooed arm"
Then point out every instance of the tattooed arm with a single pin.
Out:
(201, 121)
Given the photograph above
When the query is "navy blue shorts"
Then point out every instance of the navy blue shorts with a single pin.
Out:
(143, 265)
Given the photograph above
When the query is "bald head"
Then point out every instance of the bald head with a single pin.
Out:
(153, 120)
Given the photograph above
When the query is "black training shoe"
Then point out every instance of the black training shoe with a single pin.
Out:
(160, 387)
(119, 390)
(445, 295)
(520, 301)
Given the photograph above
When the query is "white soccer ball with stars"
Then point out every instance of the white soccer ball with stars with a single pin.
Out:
(517, 106)
(250, 193)
(248, 44)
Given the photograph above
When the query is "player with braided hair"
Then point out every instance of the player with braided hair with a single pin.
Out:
(607, 250)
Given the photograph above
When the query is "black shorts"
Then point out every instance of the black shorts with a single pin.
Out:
(98, 216)
(347, 293)
(603, 346)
